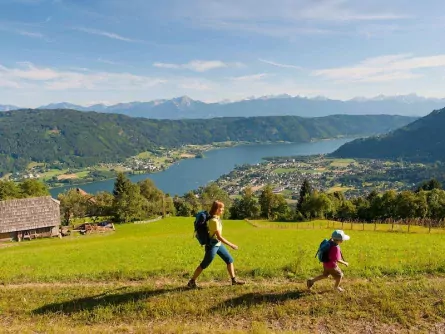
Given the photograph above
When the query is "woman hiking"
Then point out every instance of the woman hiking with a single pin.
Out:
(216, 246)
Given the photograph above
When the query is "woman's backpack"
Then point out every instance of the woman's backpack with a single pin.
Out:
(201, 228)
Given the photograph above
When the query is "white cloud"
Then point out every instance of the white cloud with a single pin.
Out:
(291, 10)
(30, 34)
(27, 33)
(287, 18)
(107, 34)
(254, 77)
(280, 65)
(106, 61)
(198, 65)
(383, 68)
(195, 85)
(29, 76)
(339, 10)
(282, 29)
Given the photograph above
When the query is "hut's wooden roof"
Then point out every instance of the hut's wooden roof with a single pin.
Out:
(29, 213)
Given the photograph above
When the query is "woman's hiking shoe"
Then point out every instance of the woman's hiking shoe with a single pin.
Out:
(237, 282)
(309, 284)
(192, 284)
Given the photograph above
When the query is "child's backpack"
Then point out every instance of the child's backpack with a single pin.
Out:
(201, 228)
(323, 250)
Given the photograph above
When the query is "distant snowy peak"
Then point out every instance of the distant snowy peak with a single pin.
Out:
(183, 101)
(7, 107)
(410, 98)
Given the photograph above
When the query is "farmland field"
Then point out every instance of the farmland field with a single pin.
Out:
(133, 280)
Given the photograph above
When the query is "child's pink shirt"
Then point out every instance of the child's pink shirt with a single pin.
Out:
(334, 256)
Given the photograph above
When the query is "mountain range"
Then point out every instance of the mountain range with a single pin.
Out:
(281, 105)
(69, 138)
(422, 140)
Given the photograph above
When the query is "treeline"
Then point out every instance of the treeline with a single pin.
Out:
(138, 201)
(25, 189)
(426, 201)
(79, 139)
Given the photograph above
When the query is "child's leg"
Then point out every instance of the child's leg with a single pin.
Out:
(310, 282)
(337, 281)
(319, 278)
(338, 276)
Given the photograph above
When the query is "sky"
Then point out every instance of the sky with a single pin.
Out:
(111, 51)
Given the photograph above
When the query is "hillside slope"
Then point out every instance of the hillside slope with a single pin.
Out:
(422, 140)
(77, 138)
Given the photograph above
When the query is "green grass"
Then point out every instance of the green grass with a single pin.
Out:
(341, 162)
(338, 187)
(53, 172)
(82, 174)
(144, 155)
(35, 164)
(132, 280)
(166, 249)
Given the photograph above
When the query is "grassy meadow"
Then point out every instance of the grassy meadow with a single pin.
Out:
(132, 280)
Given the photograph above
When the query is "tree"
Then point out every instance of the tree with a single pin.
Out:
(9, 190)
(347, 210)
(266, 201)
(102, 205)
(245, 207)
(169, 206)
(305, 192)
(388, 204)
(182, 207)
(280, 209)
(429, 185)
(406, 205)
(251, 208)
(316, 205)
(436, 203)
(155, 202)
(193, 203)
(128, 205)
(33, 188)
(213, 192)
(121, 184)
(362, 208)
(72, 205)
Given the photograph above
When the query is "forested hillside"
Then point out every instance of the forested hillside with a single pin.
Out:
(76, 138)
(422, 140)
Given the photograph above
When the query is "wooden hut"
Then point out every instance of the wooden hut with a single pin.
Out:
(29, 218)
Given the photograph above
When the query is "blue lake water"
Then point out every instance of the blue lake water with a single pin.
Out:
(189, 174)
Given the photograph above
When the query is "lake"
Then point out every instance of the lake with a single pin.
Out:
(189, 174)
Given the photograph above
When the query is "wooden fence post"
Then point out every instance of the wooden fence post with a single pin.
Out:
(352, 226)
(429, 225)
(409, 224)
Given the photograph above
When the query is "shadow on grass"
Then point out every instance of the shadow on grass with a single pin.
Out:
(102, 300)
(256, 298)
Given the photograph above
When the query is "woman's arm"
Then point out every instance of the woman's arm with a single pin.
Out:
(225, 241)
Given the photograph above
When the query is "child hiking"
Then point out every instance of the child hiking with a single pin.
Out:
(330, 254)
(214, 246)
